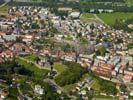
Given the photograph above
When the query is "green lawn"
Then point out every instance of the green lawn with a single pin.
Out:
(109, 18)
(59, 67)
(31, 57)
(88, 17)
(4, 9)
(38, 73)
(69, 87)
(96, 85)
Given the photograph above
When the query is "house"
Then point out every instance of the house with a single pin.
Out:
(130, 59)
(7, 54)
(131, 93)
(127, 78)
(27, 39)
(3, 94)
(1, 60)
(9, 37)
(117, 68)
(1, 41)
(4, 27)
(38, 90)
(75, 15)
(69, 57)
(20, 49)
(2, 33)
(65, 9)
(115, 60)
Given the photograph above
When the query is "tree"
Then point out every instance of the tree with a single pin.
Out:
(123, 88)
(71, 75)
(35, 26)
(66, 47)
(101, 50)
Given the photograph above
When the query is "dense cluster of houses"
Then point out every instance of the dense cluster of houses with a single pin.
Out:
(23, 24)
(107, 66)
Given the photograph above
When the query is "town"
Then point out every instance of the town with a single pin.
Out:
(44, 56)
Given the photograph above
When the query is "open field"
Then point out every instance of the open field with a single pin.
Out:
(109, 18)
(4, 8)
(88, 17)
(60, 67)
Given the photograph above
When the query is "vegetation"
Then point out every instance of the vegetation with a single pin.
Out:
(129, 2)
(12, 67)
(4, 9)
(130, 46)
(24, 86)
(60, 67)
(101, 50)
(88, 17)
(13, 93)
(32, 57)
(26, 75)
(71, 75)
(110, 18)
(104, 86)
(83, 5)
(38, 73)
(50, 93)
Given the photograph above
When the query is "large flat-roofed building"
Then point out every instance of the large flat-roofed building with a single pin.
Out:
(75, 14)
(65, 9)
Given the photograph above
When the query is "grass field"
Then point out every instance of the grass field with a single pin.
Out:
(4, 9)
(96, 85)
(38, 73)
(109, 18)
(88, 17)
(59, 67)
(31, 57)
